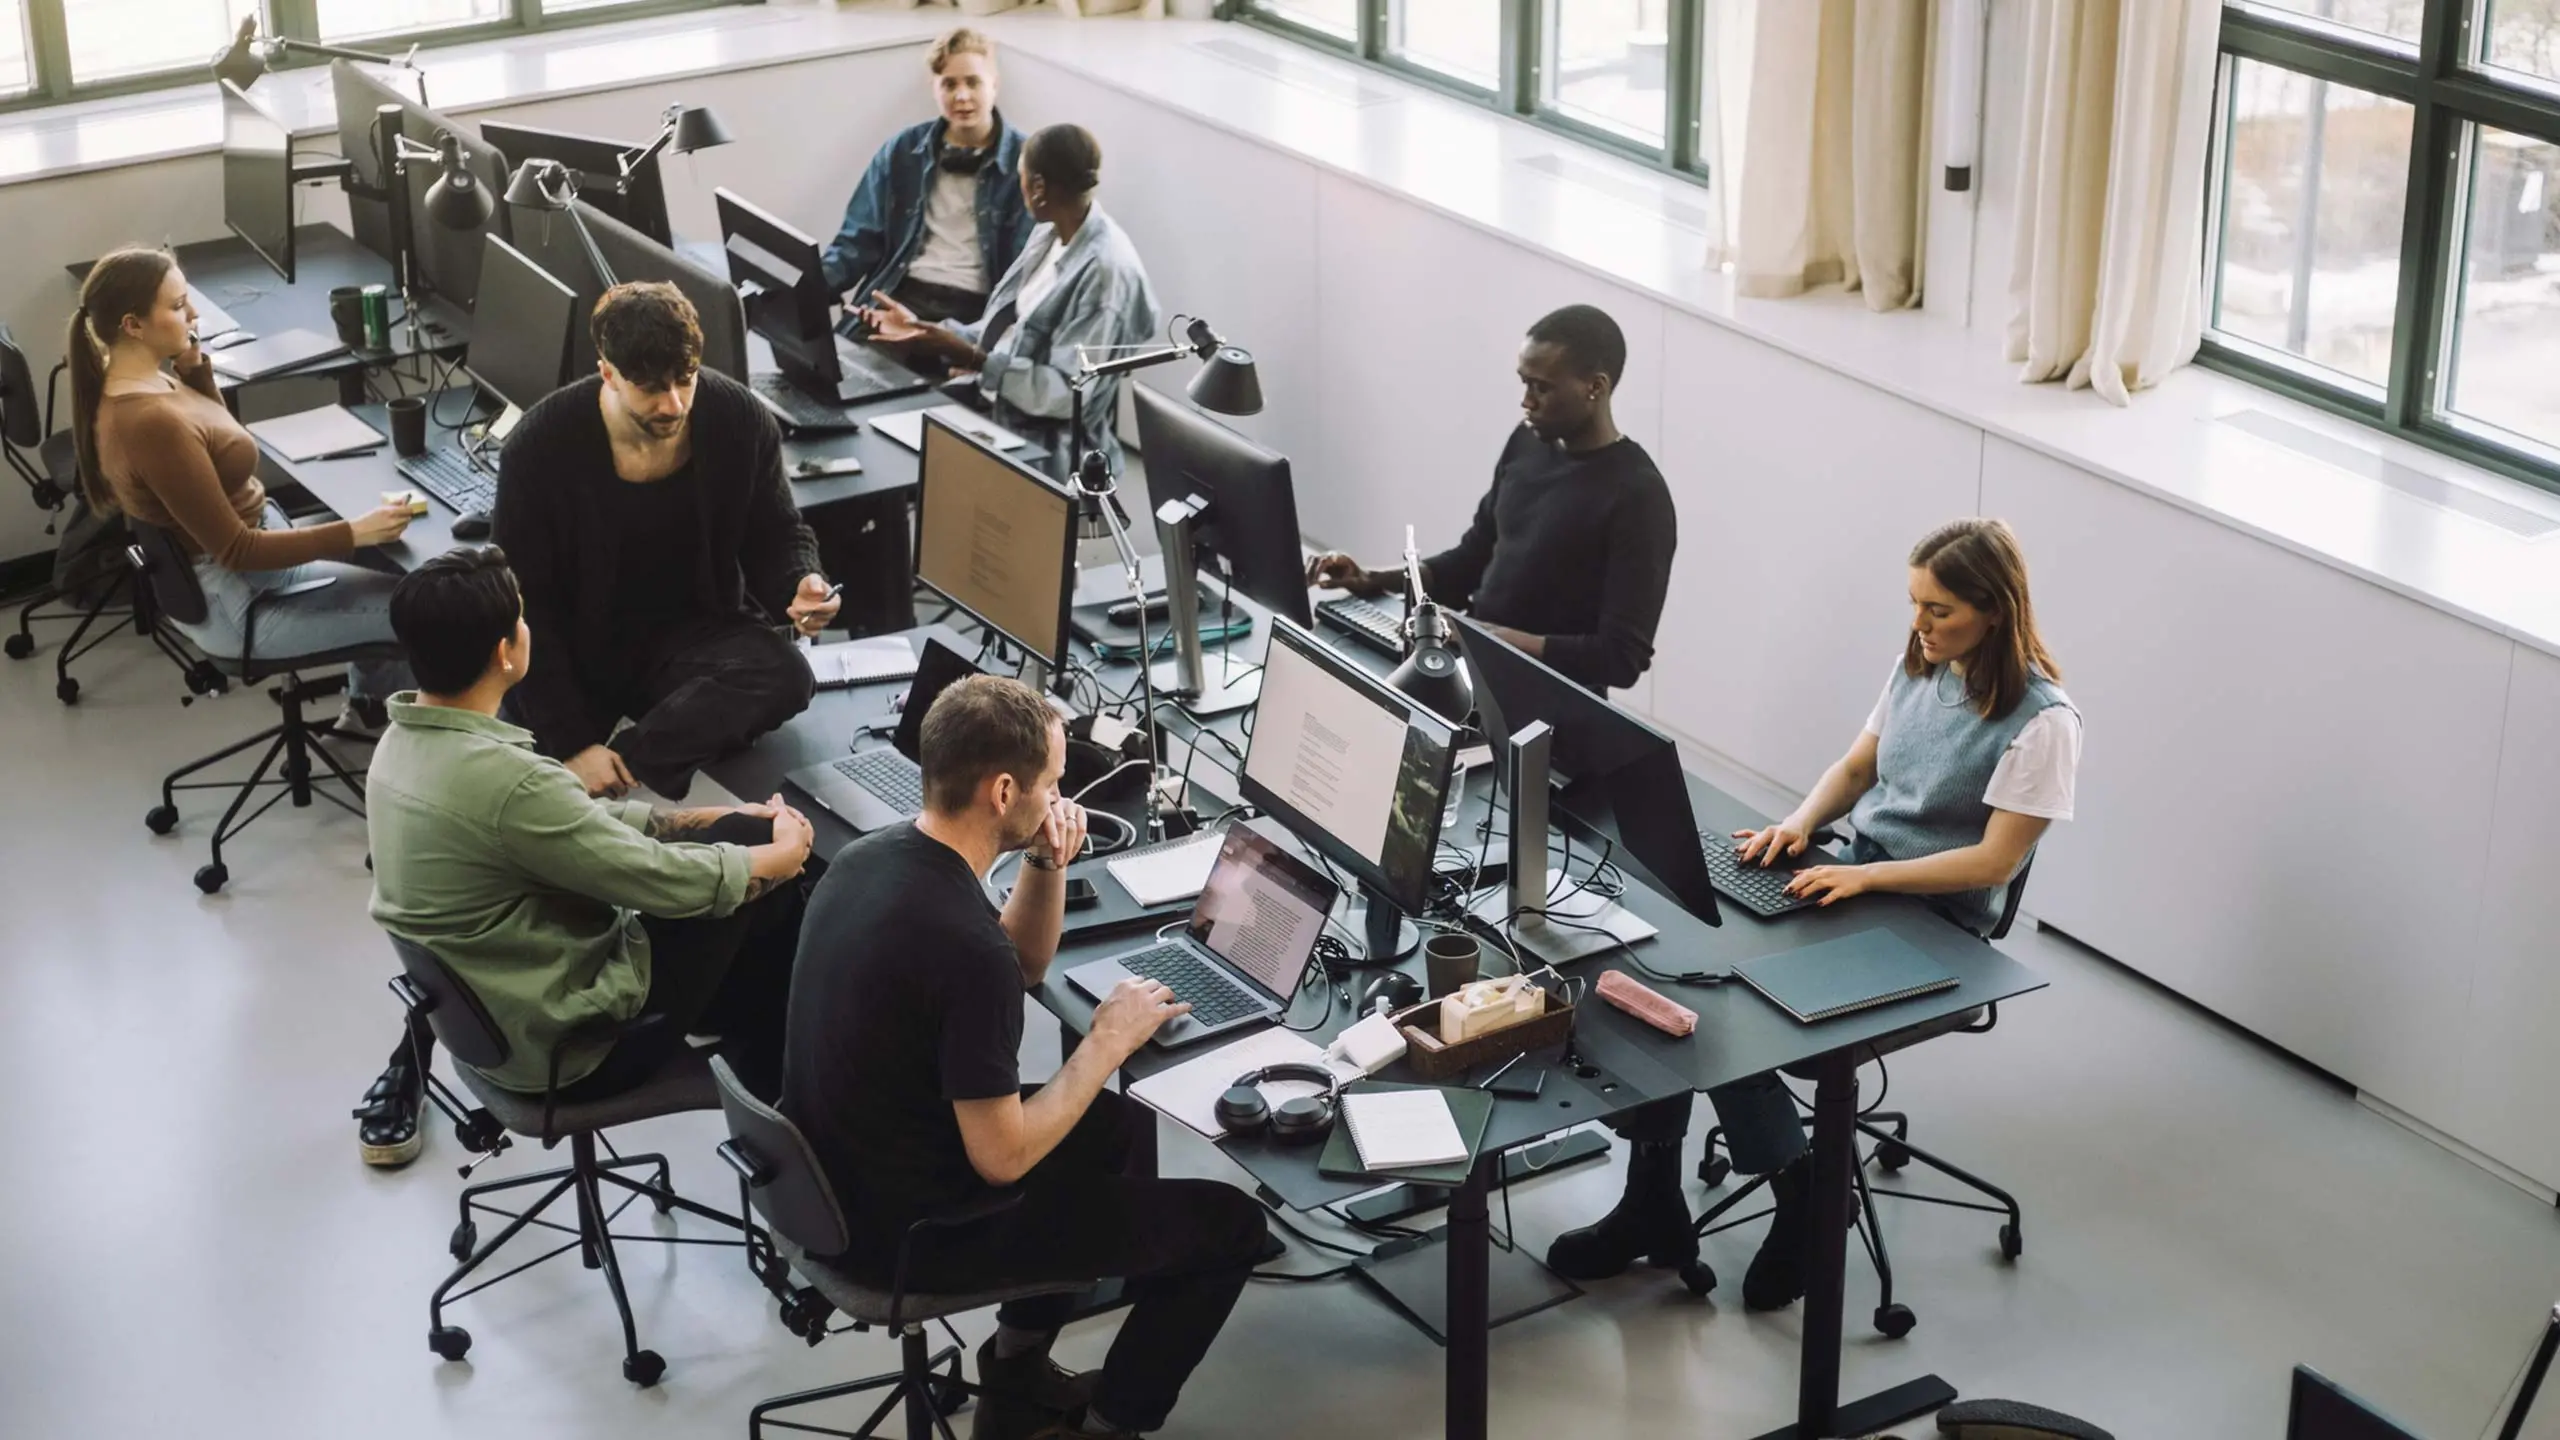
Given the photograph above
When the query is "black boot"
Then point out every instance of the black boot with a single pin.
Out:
(1651, 1221)
(1027, 1393)
(1776, 1277)
(387, 1130)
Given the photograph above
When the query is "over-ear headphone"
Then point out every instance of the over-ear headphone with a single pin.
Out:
(1300, 1121)
(961, 160)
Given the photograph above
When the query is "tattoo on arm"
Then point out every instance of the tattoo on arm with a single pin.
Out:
(757, 885)
(681, 824)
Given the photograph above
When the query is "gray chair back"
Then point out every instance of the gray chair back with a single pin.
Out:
(166, 572)
(784, 1182)
(2016, 892)
(461, 1022)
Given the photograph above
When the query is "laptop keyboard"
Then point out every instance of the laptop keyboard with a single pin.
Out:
(872, 375)
(1762, 890)
(792, 405)
(1365, 621)
(1214, 998)
(447, 474)
(894, 778)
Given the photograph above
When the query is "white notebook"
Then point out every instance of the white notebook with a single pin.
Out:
(1396, 1129)
(1176, 870)
(907, 427)
(868, 661)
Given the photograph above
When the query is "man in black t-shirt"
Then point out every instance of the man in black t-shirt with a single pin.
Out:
(906, 1015)
(1570, 551)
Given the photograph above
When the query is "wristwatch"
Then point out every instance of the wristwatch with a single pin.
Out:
(1037, 863)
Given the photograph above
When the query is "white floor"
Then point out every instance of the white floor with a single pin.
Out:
(188, 1244)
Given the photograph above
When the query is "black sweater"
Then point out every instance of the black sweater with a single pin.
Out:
(1574, 548)
(561, 541)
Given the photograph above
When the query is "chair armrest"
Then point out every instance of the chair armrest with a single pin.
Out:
(412, 995)
(750, 1167)
(985, 1207)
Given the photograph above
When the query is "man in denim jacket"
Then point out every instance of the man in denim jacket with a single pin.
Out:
(938, 216)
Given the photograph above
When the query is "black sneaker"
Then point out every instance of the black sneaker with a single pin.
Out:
(388, 1135)
(1776, 1277)
(1027, 1394)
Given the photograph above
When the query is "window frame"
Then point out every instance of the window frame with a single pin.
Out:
(2450, 94)
(1520, 66)
(49, 53)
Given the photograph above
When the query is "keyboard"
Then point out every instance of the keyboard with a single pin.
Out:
(1762, 890)
(871, 375)
(448, 474)
(1168, 870)
(894, 778)
(1367, 622)
(793, 406)
(1214, 998)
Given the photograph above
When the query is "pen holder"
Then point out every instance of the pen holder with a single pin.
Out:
(1435, 1061)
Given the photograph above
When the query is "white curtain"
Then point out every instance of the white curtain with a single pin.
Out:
(1835, 156)
(2105, 284)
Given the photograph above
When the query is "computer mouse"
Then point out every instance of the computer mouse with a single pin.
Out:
(1399, 989)
(471, 525)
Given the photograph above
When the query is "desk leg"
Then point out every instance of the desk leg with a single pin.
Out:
(1819, 1413)
(1470, 1322)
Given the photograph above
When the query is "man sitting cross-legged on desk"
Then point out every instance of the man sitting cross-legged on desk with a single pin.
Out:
(647, 513)
(557, 909)
(906, 1016)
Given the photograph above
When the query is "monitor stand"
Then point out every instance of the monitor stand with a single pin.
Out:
(1188, 678)
(1527, 911)
(1387, 935)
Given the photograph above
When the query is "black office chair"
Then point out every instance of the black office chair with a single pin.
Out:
(461, 1023)
(778, 1174)
(162, 569)
(1891, 1152)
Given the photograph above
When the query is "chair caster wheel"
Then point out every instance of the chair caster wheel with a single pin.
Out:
(466, 1238)
(1892, 1155)
(1700, 1279)
(68, 692)
(1895, 1321)
(644, 1368)
(20, 646)
(203, 679)
(1714, 1170)
(213, 877)
(451, 1342)
(2012, 1243)
(162, 819)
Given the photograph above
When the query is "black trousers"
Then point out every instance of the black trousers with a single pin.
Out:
(936, 303)
(1184, 1247)
(700, 690)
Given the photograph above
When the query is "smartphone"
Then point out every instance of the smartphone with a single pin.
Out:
(1080, 893)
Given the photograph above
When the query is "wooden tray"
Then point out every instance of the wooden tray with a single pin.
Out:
(1435, 1061)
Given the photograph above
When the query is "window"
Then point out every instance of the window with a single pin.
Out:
(16, 75)
(1623, 74)
(120, 39)
(344, 20)
(2386, 218)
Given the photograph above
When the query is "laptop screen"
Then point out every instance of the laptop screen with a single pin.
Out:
(1262, 911)
(937, 669)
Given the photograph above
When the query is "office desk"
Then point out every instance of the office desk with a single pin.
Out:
(1739, 1034)
(325, 257)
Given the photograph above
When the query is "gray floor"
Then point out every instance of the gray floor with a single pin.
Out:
(189, 1246)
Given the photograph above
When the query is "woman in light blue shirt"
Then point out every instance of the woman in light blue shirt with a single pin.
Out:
(1077, 285)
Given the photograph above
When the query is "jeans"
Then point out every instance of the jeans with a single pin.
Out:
(1184, 1247)
(353, 609)
(1762, 1129)
(702, 690)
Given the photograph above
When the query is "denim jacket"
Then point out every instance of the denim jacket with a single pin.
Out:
(883, 228)
(1103, 298)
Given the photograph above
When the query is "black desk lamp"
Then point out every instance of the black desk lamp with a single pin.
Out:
(549, 186)
(1228, 384)
(682, 130)
(1433, 671)
(248, 56)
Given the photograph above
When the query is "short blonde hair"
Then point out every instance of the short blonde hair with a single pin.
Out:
(963, 41)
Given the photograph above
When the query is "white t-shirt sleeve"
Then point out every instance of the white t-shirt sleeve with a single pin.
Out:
(2037, 773)
(1875, 717)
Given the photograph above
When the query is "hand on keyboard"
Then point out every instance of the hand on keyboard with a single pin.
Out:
(1830, 884)
(1780, 842)
(1130, 1016)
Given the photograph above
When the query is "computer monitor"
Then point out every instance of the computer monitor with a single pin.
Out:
(996, 538)
(547, 237)
(783, 291)
(359, 95)
(1354, 769)
(638, 200)
(1248, 518)
(257, 179)
(449, 260)
(520, 343)
(2322, 1411)
(1619, 777)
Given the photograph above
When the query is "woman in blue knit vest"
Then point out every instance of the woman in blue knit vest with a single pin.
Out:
(1969, 755)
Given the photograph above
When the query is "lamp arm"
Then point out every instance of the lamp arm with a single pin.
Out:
(632, 160)
(282, 45)
(595, 257)
(1122, 365)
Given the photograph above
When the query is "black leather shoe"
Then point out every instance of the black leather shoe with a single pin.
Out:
(1776, 1277)
(1027, 1394)
(387, 1131)
(1650, 1222)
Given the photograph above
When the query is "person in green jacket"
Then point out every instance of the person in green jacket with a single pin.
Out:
(565, 914)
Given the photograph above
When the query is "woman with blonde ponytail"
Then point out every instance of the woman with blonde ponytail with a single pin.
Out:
(156, 443)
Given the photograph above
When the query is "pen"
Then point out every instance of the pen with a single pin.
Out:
(351, 454)
(1498, 1074)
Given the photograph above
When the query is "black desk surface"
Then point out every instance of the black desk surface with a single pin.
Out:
(324, 257)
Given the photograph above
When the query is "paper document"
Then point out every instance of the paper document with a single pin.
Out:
(861, 662)
(1398, 1129)
(1189, 1091)
(907, 427)
(1176, 872)
(310, 434)
(260, 358)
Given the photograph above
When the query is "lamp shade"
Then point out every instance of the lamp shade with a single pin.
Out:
(696, 128)
(457, 201)
(1228, 384)
(532, 187)
(1436, 677)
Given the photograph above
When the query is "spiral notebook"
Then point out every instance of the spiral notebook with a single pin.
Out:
(1386, 1125)
(1844, 976)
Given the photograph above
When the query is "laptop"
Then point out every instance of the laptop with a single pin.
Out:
(874, 789)
(1245, 951)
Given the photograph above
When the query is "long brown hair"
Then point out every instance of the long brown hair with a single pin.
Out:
(1979, 562)
(126, 282)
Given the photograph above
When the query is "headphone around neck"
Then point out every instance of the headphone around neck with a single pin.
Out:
(1300, 1121)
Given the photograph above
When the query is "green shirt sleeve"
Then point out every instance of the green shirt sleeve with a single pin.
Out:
(556, 831)
(634, 813)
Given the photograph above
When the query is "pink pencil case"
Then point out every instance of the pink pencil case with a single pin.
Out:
(1663, 1014)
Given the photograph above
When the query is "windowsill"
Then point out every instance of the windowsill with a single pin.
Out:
(1620, 221)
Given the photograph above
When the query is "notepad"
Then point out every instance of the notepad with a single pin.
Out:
(861, 662)
(1403, 1129)
(310, 434)
(1174, 870)
(907, 427)
(1841, 977)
